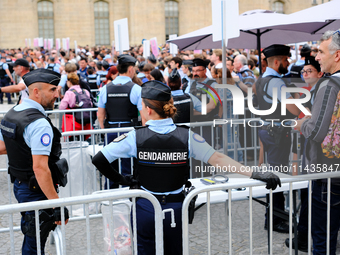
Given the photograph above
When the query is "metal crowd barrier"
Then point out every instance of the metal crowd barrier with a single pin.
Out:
(60, 232)
(209, 189)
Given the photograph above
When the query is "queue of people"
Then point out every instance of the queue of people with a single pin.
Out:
(154, 95)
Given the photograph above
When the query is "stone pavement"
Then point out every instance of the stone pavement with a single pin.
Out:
(76, 230)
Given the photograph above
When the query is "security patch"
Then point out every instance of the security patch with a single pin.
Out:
(120, 138)
(198, 138)
(45, 139)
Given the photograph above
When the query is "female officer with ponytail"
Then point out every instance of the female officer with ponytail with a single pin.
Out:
(161, 151)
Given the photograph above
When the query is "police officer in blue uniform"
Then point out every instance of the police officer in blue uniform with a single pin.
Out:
(164, 177)
(102, 72)
(186, 104)
(33, 149)
(5, 79)
(275, 138)
(119, 103)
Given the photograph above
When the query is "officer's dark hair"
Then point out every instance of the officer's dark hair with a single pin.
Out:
(102, 55)
(175, 85)
(90, 70)
(123, 68)
(99, 65)
(62, 53)
(165, 109)
(178, 61)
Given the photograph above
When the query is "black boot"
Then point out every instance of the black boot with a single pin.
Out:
(302, 242)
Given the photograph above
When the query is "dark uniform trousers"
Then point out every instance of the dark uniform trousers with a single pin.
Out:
(146, 233)
(4, 82)
(24, 194)
(277, 155)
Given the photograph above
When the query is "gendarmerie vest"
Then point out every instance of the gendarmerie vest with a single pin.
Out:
(262, 91)
(19, 154)
(198, 92)
(50, 67)
(2, 71)
(162, 163)
(184, 106)
(118, 105)
(92, 82)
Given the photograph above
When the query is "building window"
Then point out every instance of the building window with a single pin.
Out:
(102, 23)
(171, 18)
(46, 19)
(278, 7)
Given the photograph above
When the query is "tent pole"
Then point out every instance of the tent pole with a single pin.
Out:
(258, 37)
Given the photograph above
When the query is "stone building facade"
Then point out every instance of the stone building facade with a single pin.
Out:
(90, 22)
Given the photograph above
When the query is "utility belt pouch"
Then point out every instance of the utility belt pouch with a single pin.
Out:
(276, 132)
(191, 210)
(60, 170)
(33, 184)
(46, 223)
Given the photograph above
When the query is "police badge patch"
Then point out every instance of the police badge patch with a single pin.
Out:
(198, 138)
(120, 138)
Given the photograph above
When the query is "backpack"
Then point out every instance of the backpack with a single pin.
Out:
(331, 144)
(82, 101)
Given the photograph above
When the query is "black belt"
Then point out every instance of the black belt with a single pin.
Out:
(172, 198)
(120, 125)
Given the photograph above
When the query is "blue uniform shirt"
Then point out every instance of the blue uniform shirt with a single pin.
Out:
(126, 148)
(39, 134)
(195, 101)
(135, 94)
(63, 80)
(5, 67)
(56, 67)
(274, 83)
(98, 77)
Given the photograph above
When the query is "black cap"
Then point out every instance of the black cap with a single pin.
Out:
(276, 50)
(306, 49)
(126, 58)
(174, 75)
(199, 62)
(156, 90)
(21, 62)
(311, 61)
(187, 62)
(152, 59)
(105, 64)
(141, 65)
(42, 75)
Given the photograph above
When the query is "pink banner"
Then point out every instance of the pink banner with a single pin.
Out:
(68, 43)
(197, 51)
(49, 45)
(45, 43)
(57, 44)
(35, 42)
(154, 47)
